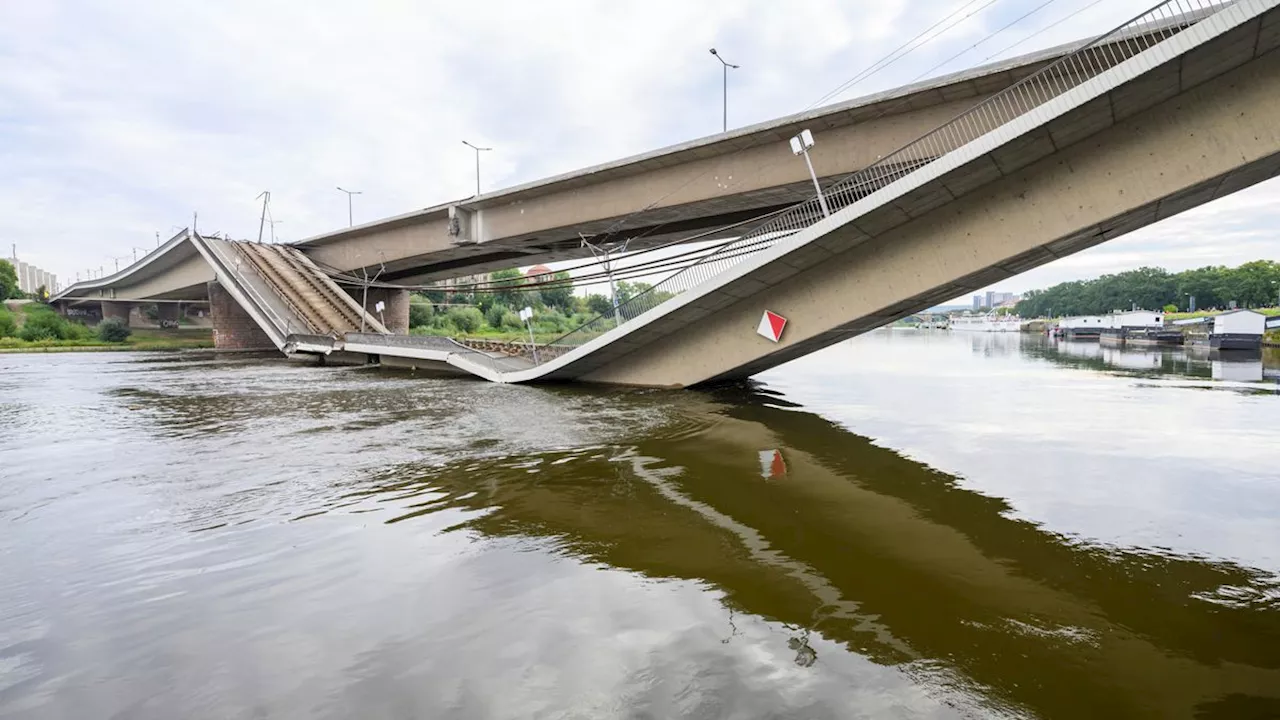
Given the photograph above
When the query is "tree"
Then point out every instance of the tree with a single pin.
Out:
(506, 284)
(420, 311)
(8, 281)
(561, 296)
(1252, 284)
(599, 304)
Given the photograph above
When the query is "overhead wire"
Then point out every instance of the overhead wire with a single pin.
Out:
(877, 66)
(1017, 20)
(1039, 32)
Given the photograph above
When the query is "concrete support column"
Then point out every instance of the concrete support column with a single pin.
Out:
(118, 310)
(233, 328)
(168, 312)
(396, 314)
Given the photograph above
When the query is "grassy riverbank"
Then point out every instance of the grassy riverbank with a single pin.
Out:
(34, 327)
(142, 339)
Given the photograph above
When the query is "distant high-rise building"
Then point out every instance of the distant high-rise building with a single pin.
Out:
(32, 278)
(992, 299)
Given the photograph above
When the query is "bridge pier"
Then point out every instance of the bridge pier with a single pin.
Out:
(168, 312)
(396, 313)
(233, 328)
(117, 310)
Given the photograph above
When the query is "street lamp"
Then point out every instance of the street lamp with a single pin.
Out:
(349, 194)
(800, 145)
(478, 151)
(726, 65)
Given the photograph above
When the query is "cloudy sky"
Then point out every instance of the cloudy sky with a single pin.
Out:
(119, 119)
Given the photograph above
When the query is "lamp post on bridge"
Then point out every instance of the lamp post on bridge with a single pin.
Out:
(349, 194)
(725, 105)
(478, 151)
(800, 145)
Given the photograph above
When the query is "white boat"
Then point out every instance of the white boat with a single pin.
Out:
(990, 322)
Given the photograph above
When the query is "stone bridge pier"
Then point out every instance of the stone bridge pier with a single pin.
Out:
(395, 315)
(233, 328)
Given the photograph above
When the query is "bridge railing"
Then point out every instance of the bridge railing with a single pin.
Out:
(1091, 59)
(283, 326)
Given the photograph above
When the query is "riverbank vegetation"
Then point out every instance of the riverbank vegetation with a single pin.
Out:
(1252, 285)
(496, 315)
(35, 327)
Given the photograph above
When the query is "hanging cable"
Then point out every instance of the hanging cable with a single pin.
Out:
(881, 64)
(1022, 17)
(1039, 32)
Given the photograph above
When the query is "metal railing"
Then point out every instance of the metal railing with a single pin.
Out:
(1143, 32)
(283, 324)
(303, 319)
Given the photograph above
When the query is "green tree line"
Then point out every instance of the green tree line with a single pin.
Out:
(1253, 284)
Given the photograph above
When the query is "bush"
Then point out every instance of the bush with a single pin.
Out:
(43, 323)
(420, 312)
(8, 327)
(466, 319)
(114, 330)
(493, 316)
(76, 331)
(510, 321)
(1171, 308)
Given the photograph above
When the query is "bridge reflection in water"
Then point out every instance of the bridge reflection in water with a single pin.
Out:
(856, 544)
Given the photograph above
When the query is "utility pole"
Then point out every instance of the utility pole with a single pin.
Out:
(349, 194)
(266, 198)
(273, 224)
(725, 108)
(157, 238)
(364, 301)
(604, 253)
(478, 151)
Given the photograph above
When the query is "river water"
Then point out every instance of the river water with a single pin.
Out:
(906, 525)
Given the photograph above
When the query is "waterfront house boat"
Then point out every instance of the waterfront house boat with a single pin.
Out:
(1080, 327)
(1237, 330)
(1138, 327)
(990, 322)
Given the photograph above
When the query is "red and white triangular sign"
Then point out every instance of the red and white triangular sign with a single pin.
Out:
(772, 465)
(771, 324)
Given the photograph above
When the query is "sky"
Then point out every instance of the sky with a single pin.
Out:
(120, 120)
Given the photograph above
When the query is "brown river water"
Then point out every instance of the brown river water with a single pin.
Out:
(907, 525)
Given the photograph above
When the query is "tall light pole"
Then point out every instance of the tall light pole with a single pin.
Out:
(800, 145)
(349, 194)
(726, 65)
(478, 151)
